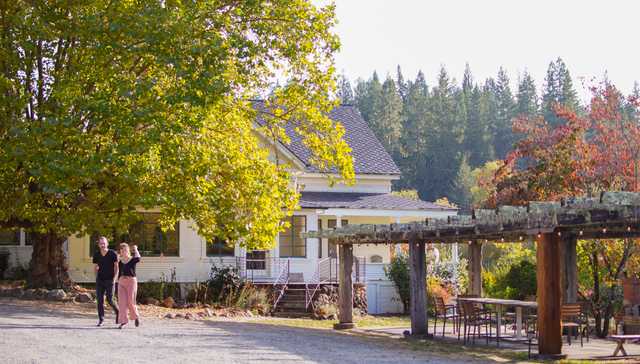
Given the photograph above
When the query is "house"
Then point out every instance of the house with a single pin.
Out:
(186, 255)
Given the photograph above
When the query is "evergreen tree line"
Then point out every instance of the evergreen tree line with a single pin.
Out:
(438, 133)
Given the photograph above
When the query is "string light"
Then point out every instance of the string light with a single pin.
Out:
(628, 228)
(604, 230)
(581, 232)
(520, 237)
(502, 240)
(559, 233)
(539, 235)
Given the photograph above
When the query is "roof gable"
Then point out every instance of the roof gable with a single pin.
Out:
(369, 156)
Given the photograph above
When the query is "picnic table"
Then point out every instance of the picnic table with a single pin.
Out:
(499, 303)
(621, 340)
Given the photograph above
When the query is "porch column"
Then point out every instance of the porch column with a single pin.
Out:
(345, 289)
(549, 295)
(418, 279)
(475, 268)
(571, 270)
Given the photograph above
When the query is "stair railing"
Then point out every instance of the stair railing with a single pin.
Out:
(313, 285)
(280, 285)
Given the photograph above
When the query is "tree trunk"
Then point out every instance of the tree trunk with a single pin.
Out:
(48, 266)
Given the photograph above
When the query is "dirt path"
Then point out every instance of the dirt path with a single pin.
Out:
(55, 333)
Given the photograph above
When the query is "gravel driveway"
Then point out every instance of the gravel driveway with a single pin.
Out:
(31, 333)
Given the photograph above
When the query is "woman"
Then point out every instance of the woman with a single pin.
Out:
(128, 285)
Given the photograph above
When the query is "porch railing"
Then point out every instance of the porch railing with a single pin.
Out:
(327, 273)
(328, 270)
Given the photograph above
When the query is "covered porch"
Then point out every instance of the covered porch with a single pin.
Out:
(554, 226)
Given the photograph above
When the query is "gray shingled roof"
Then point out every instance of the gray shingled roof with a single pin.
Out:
(320, 200)
(369, 156)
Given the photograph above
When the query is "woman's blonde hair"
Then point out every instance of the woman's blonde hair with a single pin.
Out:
(124, 246)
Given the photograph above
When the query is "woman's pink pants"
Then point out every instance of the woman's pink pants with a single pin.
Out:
(127, 291)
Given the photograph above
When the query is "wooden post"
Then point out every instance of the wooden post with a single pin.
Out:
(475, 268)
(345, 293)
(571, 270)
(418, 280)
(549, 294)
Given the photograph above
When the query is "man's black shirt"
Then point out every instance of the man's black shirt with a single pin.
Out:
(105, 264)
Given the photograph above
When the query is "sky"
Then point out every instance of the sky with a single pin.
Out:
(592, 37)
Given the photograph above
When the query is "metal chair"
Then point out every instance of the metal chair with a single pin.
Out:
(444, 311)
(475, 317)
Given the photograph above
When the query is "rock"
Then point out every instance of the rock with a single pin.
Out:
(16, 292)
(206, 305)
(249, 314)
(170, 315)
(41, 293)
(151, 301)
(83, 297)
(208, 312)
(178, 315)
(188, 316)
(56, 295)
(168, 302)
(29, 294)
(191, 305)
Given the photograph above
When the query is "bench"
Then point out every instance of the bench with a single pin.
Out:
(621, 340)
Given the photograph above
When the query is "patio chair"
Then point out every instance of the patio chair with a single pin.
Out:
(476, 317)
(572, 319)
(445, 312)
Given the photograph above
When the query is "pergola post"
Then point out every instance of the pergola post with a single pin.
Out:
(549, 295)
(418, 281)
(345, 289)
(475, 268)
(571, 270)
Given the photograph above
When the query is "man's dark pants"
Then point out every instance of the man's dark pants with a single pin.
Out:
(105, 287)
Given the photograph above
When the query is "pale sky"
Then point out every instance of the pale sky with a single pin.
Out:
(591, 37)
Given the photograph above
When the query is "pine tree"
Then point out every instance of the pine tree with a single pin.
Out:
(527, 97)
(477, 141)
(488, 114)
(503, 132)
(415, 116)
(558, 91)
(367, 95)
(443, 137)
(386, 118)
(461, 194)
(345, 92)
(401, 84)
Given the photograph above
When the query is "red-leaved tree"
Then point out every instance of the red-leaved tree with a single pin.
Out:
(591, 152)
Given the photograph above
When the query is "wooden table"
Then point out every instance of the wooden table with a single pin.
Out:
(499, 303)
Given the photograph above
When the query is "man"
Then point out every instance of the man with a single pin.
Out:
(105, 263)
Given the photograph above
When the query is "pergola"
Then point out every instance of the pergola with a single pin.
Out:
(555, 226)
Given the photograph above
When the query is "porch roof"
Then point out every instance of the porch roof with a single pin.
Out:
(366, 201)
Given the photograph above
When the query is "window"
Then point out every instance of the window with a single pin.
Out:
(220, 248)
(376, 259)
(146, 234)
(332, 223)
(256, 260)
(291, 243)
(10, 237)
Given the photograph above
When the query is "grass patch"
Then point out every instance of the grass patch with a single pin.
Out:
(364, 322)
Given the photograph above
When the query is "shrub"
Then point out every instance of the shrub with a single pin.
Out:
(398, 272)
(161, 288)
(516, 282)
(224, 284)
